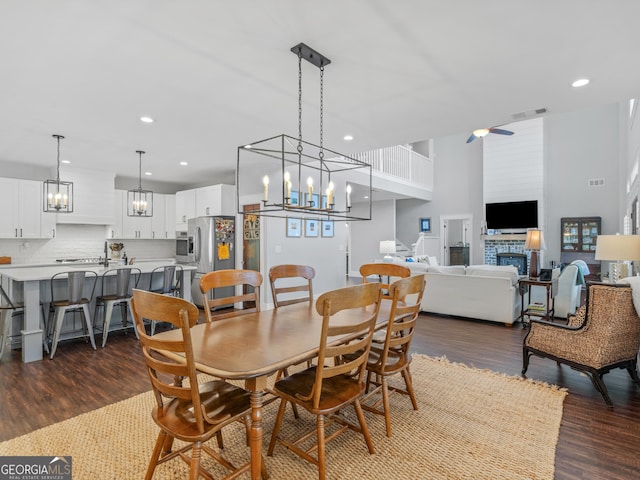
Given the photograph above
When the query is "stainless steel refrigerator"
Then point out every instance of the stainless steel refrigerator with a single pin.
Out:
(213, 246)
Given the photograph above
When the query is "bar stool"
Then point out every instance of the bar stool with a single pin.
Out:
(7, 311)
(166, 280)
(75, 301)
(120, 296)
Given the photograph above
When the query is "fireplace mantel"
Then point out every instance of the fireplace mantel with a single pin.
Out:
(508, 236)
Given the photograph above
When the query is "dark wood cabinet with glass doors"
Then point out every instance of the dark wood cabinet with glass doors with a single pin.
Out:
(578, 242)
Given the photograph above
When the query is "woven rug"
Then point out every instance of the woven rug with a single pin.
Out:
(471, 424)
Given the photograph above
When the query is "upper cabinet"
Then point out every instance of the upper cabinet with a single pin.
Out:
(159, 226)
(579, 234)
(22, 205)
(185, 208)
(93, 196)
(214, 200)
(578, 242)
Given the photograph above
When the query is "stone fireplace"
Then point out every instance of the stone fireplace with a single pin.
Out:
(510, 248)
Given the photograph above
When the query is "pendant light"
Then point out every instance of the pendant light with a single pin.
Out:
(57, 195)
(139, 201)
(293, 178)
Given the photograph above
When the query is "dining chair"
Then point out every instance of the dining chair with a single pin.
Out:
(381, 270)
(292, 279)
(211, 281)
(74, 301)
(393, 357)
(328, 388)
(187, 411)
(284, 275)
(166, 280)
(121, 279)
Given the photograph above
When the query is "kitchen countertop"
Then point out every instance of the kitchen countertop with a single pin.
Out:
(45, 272)
(112, 263)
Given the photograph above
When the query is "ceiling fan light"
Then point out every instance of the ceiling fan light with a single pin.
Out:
(481, 132)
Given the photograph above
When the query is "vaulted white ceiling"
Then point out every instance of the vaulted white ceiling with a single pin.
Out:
(218, 74)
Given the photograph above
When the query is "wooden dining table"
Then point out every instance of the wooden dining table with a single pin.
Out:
(254, 346)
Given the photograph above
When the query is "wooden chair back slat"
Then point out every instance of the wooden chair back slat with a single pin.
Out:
(230, 278)
(281, 272)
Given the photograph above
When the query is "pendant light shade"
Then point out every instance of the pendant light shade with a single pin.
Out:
(57, 195)
(139, 201)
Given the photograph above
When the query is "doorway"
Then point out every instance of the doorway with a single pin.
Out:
(456, 239)
(250, 245)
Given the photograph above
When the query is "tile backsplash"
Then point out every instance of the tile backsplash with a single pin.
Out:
(80, 241)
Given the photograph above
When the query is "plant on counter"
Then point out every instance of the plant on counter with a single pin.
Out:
(116, 247)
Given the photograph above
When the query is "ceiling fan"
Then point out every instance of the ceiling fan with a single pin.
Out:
(483, 132)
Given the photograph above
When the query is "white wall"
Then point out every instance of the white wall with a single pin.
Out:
(457, 190)
(366, 235)
(580, 146)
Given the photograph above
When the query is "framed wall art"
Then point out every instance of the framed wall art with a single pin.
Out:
(294, 227)
(327, 228)
(425, 224)
(311, 228)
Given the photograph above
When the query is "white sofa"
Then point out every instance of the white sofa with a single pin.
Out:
(485, 292)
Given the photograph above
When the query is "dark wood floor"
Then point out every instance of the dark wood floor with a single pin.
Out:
(596, 442)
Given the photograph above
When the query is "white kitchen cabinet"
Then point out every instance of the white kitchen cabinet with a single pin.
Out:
(116, 229)
(160, 226)
(185, 208)
(22, 210)
(163, 221)
(215, 200)
(170, 215)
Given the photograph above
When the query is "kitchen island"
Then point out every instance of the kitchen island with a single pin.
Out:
(31, 284)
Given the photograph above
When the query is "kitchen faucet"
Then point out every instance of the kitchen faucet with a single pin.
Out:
(106, 259)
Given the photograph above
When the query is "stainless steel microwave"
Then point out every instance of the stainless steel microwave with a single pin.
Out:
(184, 248)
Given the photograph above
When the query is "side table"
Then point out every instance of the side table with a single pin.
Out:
(524, 286)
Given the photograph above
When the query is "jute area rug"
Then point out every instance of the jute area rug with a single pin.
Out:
(471, 424)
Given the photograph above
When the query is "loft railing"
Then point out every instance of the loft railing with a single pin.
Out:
(400, 162)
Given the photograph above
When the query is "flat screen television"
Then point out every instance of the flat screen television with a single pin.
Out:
(512, 215)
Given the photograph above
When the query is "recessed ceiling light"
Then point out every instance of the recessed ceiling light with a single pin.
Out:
(67, 162)
(146, 119)
(580, 83)
(347, 138)
(148, 173)
(184, 163)
(247, 146)
(366, 197)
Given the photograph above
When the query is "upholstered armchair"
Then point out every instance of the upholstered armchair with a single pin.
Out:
(567, 299)
(603, 335)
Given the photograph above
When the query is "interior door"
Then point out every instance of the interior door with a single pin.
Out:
(250, 244)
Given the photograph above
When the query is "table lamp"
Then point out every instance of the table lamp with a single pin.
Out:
(388, 247)
(618, 248)
(534, 242)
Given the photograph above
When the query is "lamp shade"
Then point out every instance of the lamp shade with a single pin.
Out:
(387, 246)
(535, 240)
(618, 247)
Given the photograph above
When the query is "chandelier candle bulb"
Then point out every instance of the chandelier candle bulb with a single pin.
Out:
(348, 195)
(310, 189)
(330, 194)
(287, 184)
(265, 182)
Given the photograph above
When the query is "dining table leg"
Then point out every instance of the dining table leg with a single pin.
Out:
(257, 387)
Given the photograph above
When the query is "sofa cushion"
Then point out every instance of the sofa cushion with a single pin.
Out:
(506, 271)
(451, 270)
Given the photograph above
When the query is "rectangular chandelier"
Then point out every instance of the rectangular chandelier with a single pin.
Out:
(139, 203)
(58, 196)
(301, 184)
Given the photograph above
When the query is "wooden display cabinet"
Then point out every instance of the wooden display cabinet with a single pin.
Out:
(578, 242)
